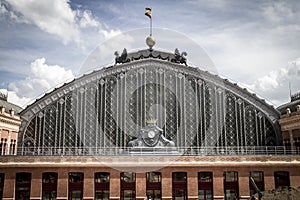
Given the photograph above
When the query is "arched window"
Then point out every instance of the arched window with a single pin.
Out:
(179, 184)
(231, 185)
(127, 185)
(75, 186)
(153, 185)
(258, 178)
(49, 185)
(23, 184)
(205, 185)
(282, 179)
(102, 186)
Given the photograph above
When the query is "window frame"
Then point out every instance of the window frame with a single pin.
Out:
(75, 185)
(153, 186)
(23, 184)
(178, 186)
(205, 185)
(101, 187)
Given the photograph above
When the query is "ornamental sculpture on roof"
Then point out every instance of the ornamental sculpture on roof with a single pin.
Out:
(177, 57)
(121, 59)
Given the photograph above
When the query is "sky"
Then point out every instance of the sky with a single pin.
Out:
(44, 43)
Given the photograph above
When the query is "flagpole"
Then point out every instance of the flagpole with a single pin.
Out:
(151, 26)
(151, 23)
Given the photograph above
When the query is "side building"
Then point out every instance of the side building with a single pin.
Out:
(9, 126)
(290, 123)
(148, 126)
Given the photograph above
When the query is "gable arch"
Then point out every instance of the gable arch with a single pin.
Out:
(101, 112)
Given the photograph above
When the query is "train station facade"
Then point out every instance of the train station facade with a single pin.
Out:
(149, 126)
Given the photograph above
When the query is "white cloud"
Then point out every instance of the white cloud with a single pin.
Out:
(110, 33)
(42, 77)
(15, 99)
(55, 17)
(104, 54)
(275, 85)
(87, 19)
(278, 11)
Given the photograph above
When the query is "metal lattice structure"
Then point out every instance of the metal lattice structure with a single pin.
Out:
(107, 108)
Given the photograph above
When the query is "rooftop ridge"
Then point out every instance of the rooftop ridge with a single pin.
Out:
(175, 57)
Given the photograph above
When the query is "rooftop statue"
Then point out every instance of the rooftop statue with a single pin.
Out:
(179, 58)
(123, 58)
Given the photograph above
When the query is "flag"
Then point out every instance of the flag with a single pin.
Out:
(148, 12)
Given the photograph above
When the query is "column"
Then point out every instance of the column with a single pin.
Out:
(140, 186)
(8, 142)
(218, 182)
(292, 140)
(36, 184)
(9, 184)
(244, 188)
(166, 184)
(114, 184)
(269, 179)
(62, 184)
(88, 184)
(192, 178)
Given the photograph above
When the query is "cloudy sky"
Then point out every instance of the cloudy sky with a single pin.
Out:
(44, 43)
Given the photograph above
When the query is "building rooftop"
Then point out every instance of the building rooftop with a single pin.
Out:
(295, 100)
(7, 105)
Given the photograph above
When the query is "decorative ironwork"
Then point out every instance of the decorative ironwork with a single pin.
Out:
(107, 109)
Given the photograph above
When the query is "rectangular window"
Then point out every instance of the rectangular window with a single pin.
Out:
(205, 185)
(49, 186)
(127, 185)
(23, 184)
(179, 185)
(102, 186)
(258, 178)
(282, 179)
(153, 185)
(1, 184)
(231, 185)
(75, 185)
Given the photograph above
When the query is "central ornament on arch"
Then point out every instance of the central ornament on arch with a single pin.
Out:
(151, 136)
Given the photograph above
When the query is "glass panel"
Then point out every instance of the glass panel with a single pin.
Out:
(76, 195)
(102, 177)
(102, 195)
(180, 194)
(105, 194)
(281, 175)
(231, 194)
(230, 176)
(23, 177)
(128, 177)
(75, 177)
(205, 177)
(49, 195)
(201, 194)
(205, 195)
(128, 194)
(282, 179)
(209, 195)
(153, 177)
(179, 177)
(49, 177)
(257, 176)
